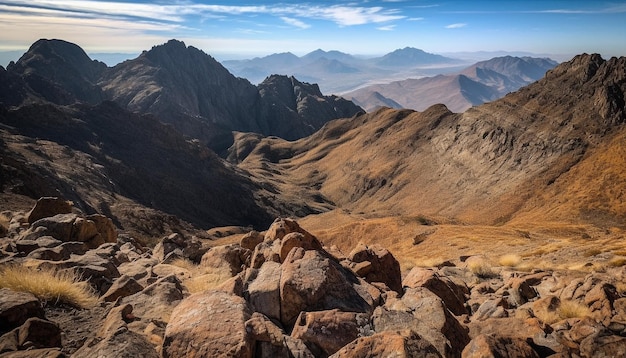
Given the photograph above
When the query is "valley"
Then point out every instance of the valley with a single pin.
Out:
(166, 175)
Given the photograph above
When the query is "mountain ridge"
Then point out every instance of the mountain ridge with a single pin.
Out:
(479, 83)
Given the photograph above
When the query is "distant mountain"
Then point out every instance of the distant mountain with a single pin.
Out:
(329, 55)
(180, 85)
(322, 67)
(412, 57)
(482, 82)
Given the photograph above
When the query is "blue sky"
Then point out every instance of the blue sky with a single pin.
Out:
(254, 28)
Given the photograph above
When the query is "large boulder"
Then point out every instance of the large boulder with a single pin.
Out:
(400, 344)
(425, 313)
(376, 264)
(230, 257)
(209, 324)
(177, 246)
(311, 281)
(451, 294)
(262, 290)
(329, 331)
(48, 206)
(491, 346)
(115, 339)
(16, 308)
(93, 230)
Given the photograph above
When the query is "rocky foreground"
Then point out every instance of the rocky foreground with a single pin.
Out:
(282, 293)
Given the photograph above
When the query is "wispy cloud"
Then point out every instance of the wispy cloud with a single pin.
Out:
(343, 15)
(386, 28)
(295, 22)
(456, 26)
(415, 19)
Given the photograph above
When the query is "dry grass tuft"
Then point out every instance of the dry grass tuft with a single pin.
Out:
(510, 260)
(207, 281)
(618, 261)
(573, 309)
(481, 268)
(185, 264)
(566, 309)
(202, 278)
(51, 286)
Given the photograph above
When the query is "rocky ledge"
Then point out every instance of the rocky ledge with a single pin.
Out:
(282, 293)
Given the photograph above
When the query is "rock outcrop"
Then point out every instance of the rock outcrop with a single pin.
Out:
(290, 296)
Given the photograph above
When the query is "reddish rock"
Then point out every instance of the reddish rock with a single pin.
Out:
(401, 344)
(380, 265)
(122, 287)
(297, 239)
(263, 290)
(36, 353)
(491, 346)
(250, 240)
(452, 295)
(281, 227)
(209, 324)
(47, 207)
(328, 331)
(311, 281)
(231, 257)
(425, 313)
(177, 246)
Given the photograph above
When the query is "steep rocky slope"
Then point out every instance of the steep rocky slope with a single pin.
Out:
(130, 167)
(481, 166)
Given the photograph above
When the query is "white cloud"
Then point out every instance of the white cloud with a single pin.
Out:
(295, 22)
(415, 19)
(386, 28)
(456, 26)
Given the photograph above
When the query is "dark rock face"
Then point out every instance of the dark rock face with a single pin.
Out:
(64, 65)
(292, 109)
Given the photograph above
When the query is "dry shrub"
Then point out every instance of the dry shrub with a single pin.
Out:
(566, 309)
(510, 260)
(185, 264)
(617, 261)
(48, 285)
(481, 268)
(202, 278)
(207, 281)
(573, 309)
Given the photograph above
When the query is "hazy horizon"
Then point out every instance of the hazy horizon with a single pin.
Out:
(246, 29)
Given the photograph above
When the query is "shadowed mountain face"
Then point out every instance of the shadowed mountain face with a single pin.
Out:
(482, 82)
(180, 85)
(485, 165)
(58, 137)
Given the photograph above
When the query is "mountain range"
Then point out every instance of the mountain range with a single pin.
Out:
(338, 72)
(479, 83)
(137, 142)
(180, 85)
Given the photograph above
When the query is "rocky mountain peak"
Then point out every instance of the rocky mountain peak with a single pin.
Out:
(48, 53)
(65, 65)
